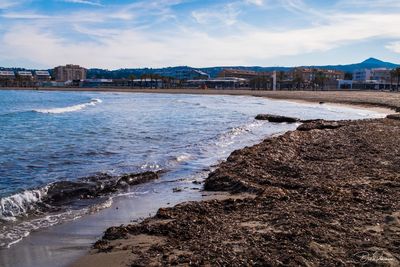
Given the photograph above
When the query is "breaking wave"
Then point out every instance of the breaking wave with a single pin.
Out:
(20, 204)
(73, 108)
(60, 201)
(12, 234)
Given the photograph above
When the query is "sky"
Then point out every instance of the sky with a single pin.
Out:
(198, 33)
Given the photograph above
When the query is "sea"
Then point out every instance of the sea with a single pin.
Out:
(50, 137)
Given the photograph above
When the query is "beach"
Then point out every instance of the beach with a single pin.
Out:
(324, 194)
(320, 196)
(246, 185)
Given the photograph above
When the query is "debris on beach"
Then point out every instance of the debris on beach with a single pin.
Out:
(276, 118)
(325, 197)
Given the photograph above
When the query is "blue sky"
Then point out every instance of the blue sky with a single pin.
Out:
(160, 33)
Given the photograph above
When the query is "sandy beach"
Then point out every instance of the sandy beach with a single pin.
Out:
(325, 194)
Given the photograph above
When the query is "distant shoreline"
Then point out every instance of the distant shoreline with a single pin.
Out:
(378, 100)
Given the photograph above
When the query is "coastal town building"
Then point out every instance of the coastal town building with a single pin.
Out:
(191, 74)
(362, 75)
(6, 78)
(381, 75)
(179, 73)
(42, 75)
(311, 74)
(378, 79)
(69, 73)
(218, 83)
(25, 75)
(244, 74)
(6, 74)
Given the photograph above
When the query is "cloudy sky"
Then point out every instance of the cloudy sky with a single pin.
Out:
(199, 33)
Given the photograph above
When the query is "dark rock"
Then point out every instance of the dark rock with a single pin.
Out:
(276, 118)
(177, 189)
(139, 178)
(65, 192)
(312, 120)
(394, 116)
(319, 125)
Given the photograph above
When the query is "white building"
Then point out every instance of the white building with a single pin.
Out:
(379, 74)
(25, 74)
(42, 75)
(5, 74)
(362, 75)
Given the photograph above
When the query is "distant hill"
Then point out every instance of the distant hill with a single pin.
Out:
(213, 71)
(370, 63)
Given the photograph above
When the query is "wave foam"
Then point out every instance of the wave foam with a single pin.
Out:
(12, 234)
(19, 204)
(183, 157)
(73, 108)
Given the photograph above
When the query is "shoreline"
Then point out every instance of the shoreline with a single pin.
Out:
(310, 207)
(377, 100)
(301, 101)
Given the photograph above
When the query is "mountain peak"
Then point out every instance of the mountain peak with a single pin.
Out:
(372, 60)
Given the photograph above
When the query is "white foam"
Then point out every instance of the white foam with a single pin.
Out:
(19, 204)
(12, 234)
(230, 137)
(183, 157)
(73, 108)
(150, 166)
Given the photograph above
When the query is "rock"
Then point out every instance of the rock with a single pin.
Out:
(66, 192)
(139, 178)
(177, 189)
(276, 118)
(319, 125)
(394, 116)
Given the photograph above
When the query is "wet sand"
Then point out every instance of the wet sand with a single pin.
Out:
(326, 194)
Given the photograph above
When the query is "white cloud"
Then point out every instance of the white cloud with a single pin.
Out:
(255, 2)
(190, 46)
(4, 4)
(130, 36)
(226, 15)
(84, 2)
(394, 46)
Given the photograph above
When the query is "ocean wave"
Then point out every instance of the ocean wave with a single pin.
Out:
(228, 137)
(60, 201)
(184, 157)
(62, 193)
(13, 233)
(20, 203)
(73, 108)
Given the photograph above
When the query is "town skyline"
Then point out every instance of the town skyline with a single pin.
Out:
(370, 62)
(158, 33)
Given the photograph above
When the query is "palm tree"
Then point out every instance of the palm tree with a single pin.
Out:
(397, 74)
(132, 78)
(142, 77)
(298, 80)
(392, 76)
(281, 77)
(320, 79)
